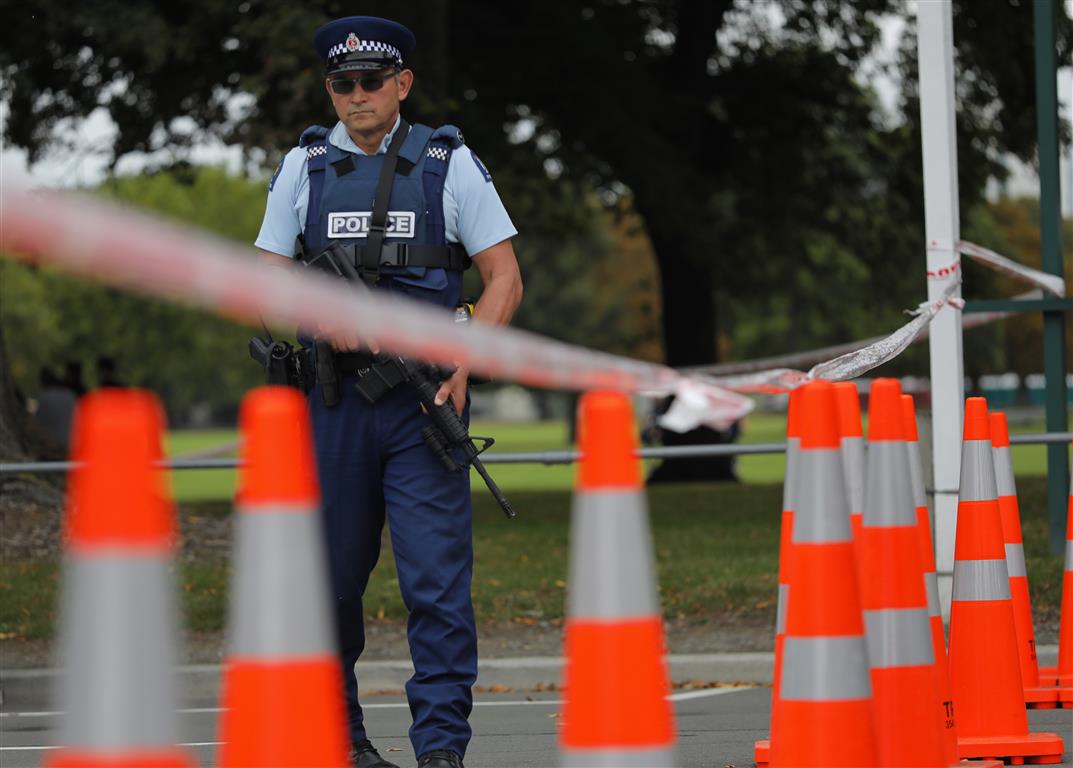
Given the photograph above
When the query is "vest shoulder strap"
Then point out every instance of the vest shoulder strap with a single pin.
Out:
(415, 143)
(443, 141)
(315, 141)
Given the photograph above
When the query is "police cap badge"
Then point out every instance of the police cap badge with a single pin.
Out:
(363, 43)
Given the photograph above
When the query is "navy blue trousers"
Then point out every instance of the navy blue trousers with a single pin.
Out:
(373, 464)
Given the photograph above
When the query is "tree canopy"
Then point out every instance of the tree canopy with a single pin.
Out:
(759, 162)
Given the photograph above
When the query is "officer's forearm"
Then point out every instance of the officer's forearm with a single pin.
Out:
(502, 284)
(274, 259)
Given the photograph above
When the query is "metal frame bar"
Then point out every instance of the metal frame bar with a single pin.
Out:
(1054, 327)
(536, 457)
(1018, 305)
(935, 56)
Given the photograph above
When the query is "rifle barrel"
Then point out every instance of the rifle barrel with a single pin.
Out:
(508, 510)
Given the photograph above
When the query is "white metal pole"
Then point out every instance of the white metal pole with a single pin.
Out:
(935, 55)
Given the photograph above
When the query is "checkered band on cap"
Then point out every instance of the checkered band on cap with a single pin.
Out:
(366, 45)
(439, 153)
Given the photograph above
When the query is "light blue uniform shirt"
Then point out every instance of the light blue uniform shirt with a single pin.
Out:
(472, 211)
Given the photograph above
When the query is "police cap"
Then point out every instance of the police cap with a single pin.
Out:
(363, 43)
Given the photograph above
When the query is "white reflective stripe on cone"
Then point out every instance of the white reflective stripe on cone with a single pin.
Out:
(278, 558)
(977, 472)
(854, 468)
(781, 609)
(1004, 482)
(1069, 556)
(789, 484)
(898, 637)
(825, 669)
(822, 512)
(611, 564)
(890, 500)
(1015, 560)
(118, 642)
(981, 580)
(916, 475)
(931, 589)
(622, 758)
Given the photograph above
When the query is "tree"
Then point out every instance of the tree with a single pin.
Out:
(722, 118)
(19, 442)
(761, 166)
(1011, 227)
(187, 356)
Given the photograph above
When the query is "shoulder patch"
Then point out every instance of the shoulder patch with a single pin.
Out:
(272, 181)
(480, 166)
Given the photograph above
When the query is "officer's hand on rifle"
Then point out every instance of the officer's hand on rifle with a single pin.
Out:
(455, 389)
(345, 340)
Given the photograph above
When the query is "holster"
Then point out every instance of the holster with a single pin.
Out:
(282, 363)
(327, 373)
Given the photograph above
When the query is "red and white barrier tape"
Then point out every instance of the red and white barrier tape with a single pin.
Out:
(942, 273)
(107, 243)
(853, 364)
(1051, 283)
(851, 360)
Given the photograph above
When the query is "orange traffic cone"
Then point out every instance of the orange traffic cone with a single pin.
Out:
(893, 597)
(762, 747)
(1062, 674)
(945, 713)
(118, 611)
(1064, 670)
(823, 711)
(282, 690)
(1036, 696)
(852, 441)
(984, 670)
(615, 709)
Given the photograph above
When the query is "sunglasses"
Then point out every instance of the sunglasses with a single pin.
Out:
(368, 83)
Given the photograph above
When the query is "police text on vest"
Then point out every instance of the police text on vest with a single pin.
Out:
(356, 224)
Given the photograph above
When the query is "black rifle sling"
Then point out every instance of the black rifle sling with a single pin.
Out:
(378, 222)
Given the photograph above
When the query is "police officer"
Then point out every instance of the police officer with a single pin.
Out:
(439, 210)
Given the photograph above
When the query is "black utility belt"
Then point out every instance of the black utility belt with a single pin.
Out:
(352, 363)
(376, 375)
(451, 257)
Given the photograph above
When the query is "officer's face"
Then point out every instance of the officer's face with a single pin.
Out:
(367, 112)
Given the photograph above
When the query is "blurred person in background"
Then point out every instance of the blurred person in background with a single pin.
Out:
(55, 408)
(108, 372)
(73, 379)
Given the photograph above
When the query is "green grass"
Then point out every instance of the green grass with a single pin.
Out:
(716, 554)
(512, 437)
(28, 598)
(1028, 460)
(191, 485)
(200, 484)
(186, 441)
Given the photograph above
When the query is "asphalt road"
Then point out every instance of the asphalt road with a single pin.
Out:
(716, 727)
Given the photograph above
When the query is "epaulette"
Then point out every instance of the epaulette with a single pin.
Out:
(449, 135)
(312, 135)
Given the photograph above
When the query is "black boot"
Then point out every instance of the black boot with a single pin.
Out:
(364, 755)
(440, 758)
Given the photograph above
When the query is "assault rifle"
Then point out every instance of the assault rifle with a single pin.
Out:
(447, 431)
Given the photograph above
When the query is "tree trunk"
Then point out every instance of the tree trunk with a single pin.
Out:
(19, 442)
(689, 334)
(13, 421)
